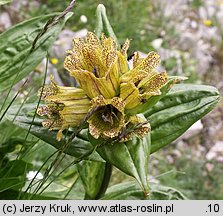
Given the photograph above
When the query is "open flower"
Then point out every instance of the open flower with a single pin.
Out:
(109, 118)
(97, 65)
(107, 90)
(143, 81)
(66, 107)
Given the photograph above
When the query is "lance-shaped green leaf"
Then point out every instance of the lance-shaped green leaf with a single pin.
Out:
(132, 191)
(16, 58)
(92, 174)
(13, 175)
(178, 110)
(79, 147)
(130, 157)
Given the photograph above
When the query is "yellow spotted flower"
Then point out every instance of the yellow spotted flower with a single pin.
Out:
(66, 107)
(143, 81)
(107, 90)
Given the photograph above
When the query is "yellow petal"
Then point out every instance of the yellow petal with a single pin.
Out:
(92, 58)
(52, 124)
(78, 44)
(109, 49)
(94, 86)
(207, 22)
(54, 61)
(144, 69)
(48, 90)
(147, 79)
(137, 125)
(125, 47)
(130, 94)
(112, 78)
(147, 95)
(149, 63)
(142, 126)
(76, 104)
(86, 55)
(92, 39)
(122, 63)
(97, 66)
(136, 59)
(133, 76)
(67, 107)
(156, 82)
(71, 62)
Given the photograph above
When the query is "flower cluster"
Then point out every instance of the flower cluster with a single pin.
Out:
(107, 90)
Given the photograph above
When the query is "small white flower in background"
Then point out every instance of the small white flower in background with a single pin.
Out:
(157, 43)
(83, 18)
(31, 174)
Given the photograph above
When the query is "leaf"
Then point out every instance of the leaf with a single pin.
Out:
(132, 191)
(178, 110)
(78, 148)
(65, 188)
(10, 136)
(92, 174)
(161, 192)
(125, 191)
(130, 157)
(2, 2)
(13, 175)
(67, 185)
(15, 47)
(59, 189)
(13, 195)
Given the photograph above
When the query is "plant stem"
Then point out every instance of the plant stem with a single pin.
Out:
(106, 180)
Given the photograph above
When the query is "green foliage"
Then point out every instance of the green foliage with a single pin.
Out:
(2, 2)
(12, 140)
(13, 175)
(131, 157)
(131, 191)
(91, 174)
(169, 117)
(178, 110)
(197, 3)
(190, 176)
(79, 147)
(20, 53)
(128, 18)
